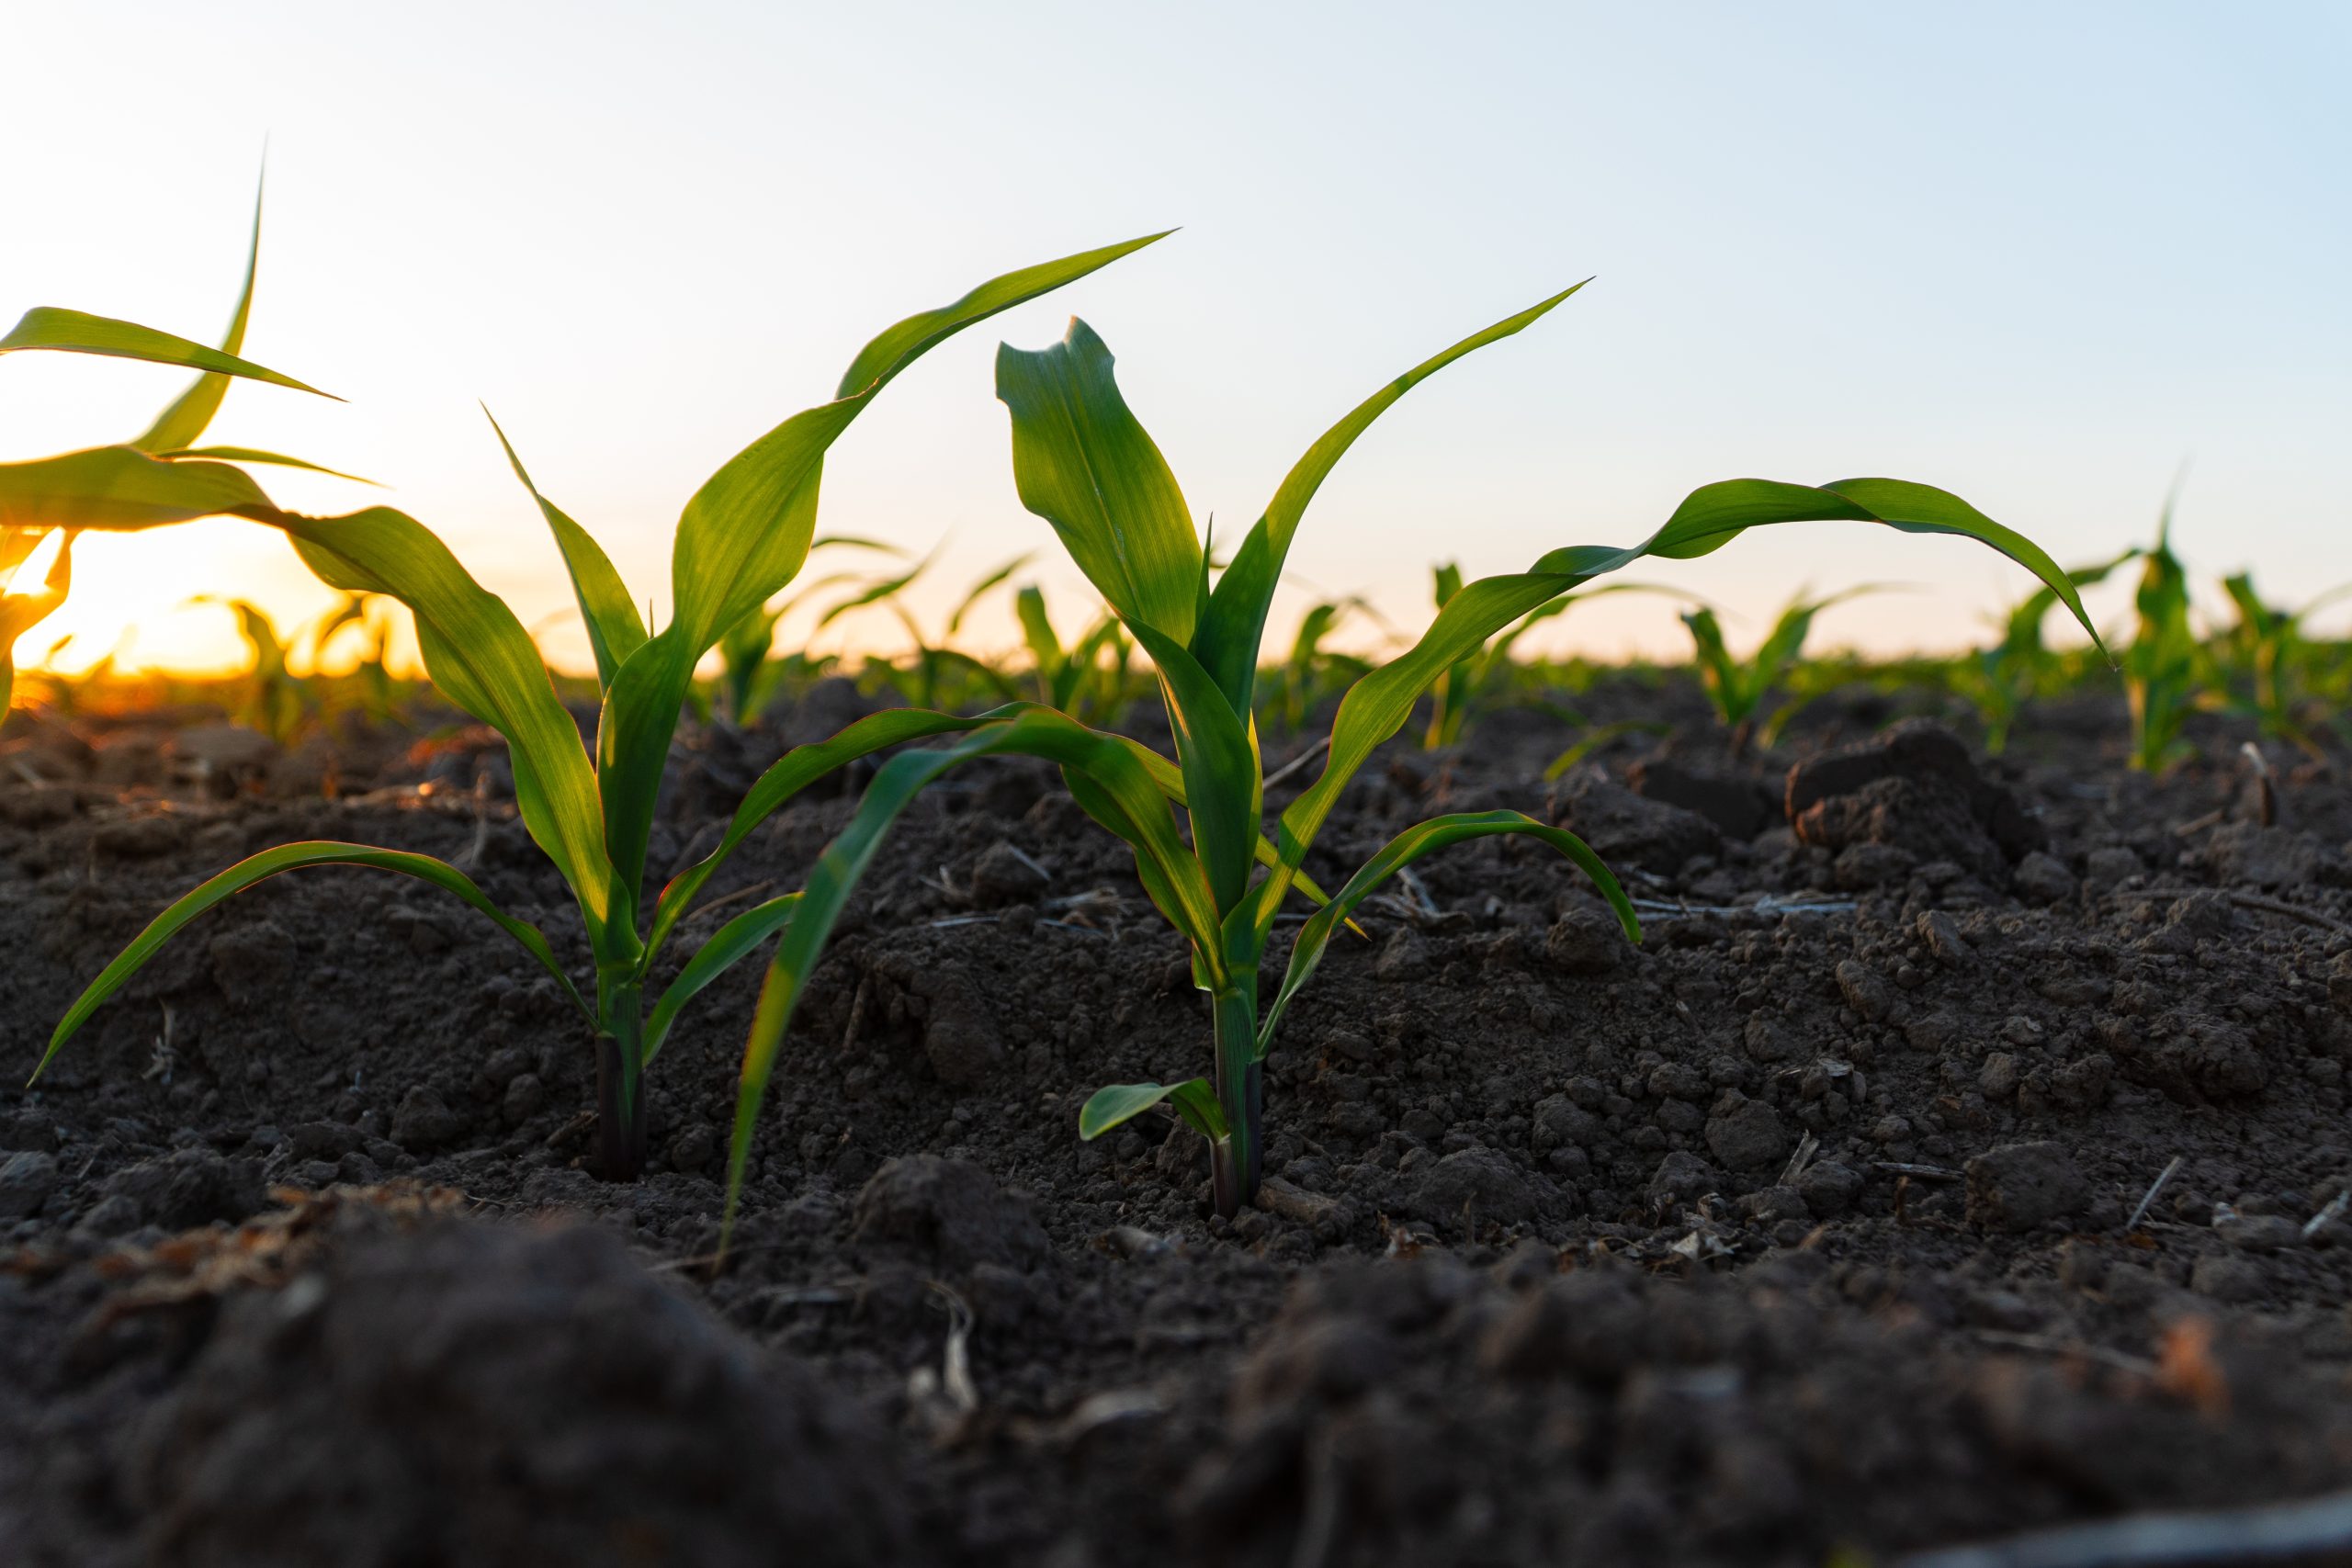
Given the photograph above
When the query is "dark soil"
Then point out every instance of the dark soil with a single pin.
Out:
(1813, 1226)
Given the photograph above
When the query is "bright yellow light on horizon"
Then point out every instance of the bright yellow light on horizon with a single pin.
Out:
(132, 599)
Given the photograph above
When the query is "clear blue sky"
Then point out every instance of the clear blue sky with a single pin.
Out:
(2039, 255)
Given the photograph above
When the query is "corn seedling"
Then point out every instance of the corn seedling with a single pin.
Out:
(938, 674)
(1083, 463)
(1736, 687)
(1088, 680)
(1480, 679)
(1311, 673)
(2267, 648)
(749, 676)
(739, 540)
(2000, 680)
(159, 476)
(2161, 674)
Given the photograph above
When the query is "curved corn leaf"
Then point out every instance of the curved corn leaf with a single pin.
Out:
(1115, 787)
(123, 487)
(614, 629)
(185, 422)
(290, 857)
(1235, 621)
(979, 589)
(729, 945)
(1082, 462)
(1598, 738)
(1401, 851)
(1113, 1104)
(1708, 519)
(481, 658)
(745, 533)
(253, 454)
(1044, 646)
(76, 332)
(791, 774)
(736, 544)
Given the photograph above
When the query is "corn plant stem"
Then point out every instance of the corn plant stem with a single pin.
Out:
(1241, 1092)
(620, 1091)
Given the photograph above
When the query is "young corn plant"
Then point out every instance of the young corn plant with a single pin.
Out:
(1083, 463)
(1089, 680)
(749, 677)
(1997, 682)
(1292, 689)
(938, 674)
(2161, 674)
(1735, 687)
(1480, 679)
(739, 540)
(159, 476)
(2269, 650)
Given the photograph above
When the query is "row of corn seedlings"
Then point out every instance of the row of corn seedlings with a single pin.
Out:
(1175, 619)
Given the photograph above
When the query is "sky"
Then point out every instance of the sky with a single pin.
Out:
(2040, 256)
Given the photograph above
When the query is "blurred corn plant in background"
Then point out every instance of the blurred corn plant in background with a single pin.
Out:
(1997, 682)
(1736, 687)
(741, 539)
(1093, 679)
(1489, 675)
(2266, 649)
(1083, 463)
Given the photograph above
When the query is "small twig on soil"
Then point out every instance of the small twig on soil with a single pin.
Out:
(2265, 785)
(2251, 901)
(1799, 1160)
(1287, 769)
(1762, 907)
(2335, 1211)
(2154, 1186)
(2197, 825)
(2046, 1345)
(2272, 1532)
(1916, 1172)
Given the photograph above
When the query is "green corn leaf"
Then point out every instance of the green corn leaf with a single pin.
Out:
(1116, 1103)
(1227, 642)
(1719, 673)
(743, 535)
(75, 331)
(185, 422)
(614, 629)
(1082, 462)
(973, 595)
(1037, 631)
(481, 658)
(1119, 790)
(1602, 737)
(123, 487)
(791, 774)
(737, 542)
(1709, 518)
(1401, 851)
(874, 592)
(253, 454)
(290, 857)
(728, 946)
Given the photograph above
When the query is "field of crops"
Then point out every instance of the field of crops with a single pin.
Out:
(1179, 1095)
